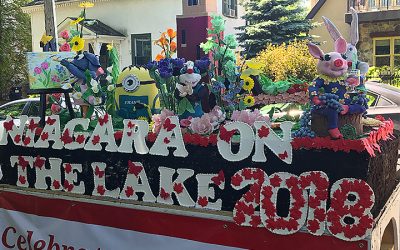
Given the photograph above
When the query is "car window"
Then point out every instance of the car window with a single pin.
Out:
(372, 99)
(14, 110)
(383, 102)
(34, 110)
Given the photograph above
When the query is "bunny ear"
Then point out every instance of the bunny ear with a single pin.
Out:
(315, 51)
(333, 31)
(341, 45)
(354, 35)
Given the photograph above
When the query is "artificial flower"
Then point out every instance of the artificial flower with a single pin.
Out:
(86, 4)
(55, 78)
(95, 100)
(95, 89)
(65, 47)
(45, 39)
(109, 78)
(77, 44)
(159, 57)
(66, 86)
(171, 33)
(109, 69)
(159, 119)
(253, 64)
(217, 116)
(64, 34)
(93, 82)
(185, 122)
(248, 116)
(248, 84)
(173, 46)
(110, 87)
(202, 125)
(76, 21)
(110, 47)
(55, 109)
(77, 95)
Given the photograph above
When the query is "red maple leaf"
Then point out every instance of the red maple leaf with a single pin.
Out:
(134, 169)
(263, 132)
(118, 135)
(166, 140)
(68, 186)
(129, 133)
(255, 220)
(50, 121)
(213, 139)
(8, 125)
(96, 139)
(98, 172)
(168, 125)
(164, 195)
(27, 140)
(66, 138)
(80, 139)
(275, 181)
(22, 179)
(56, 184)
(39, 162)
(236, 180)
(220, 178)
(239, 218)
(131, 125)
(100, 189)
(151, 137)
(320, 214)
(203, 201)
(178, 188)
(68, 168)
(226, 135)
(129, 191)
(17, 139)
(103, 120)
(32, 125)
(313, 225)
(44, 136)
(22, 162)
(283, 156)
(247, 173)
(38, 131)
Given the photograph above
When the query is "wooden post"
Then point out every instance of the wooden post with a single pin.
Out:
(50, 21)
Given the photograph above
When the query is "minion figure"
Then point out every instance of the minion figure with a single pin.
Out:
(136, 94)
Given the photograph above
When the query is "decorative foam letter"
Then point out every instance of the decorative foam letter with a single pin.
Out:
(99, 172)
(11, 129)
(51, 132)
(80, 137)
(22, 165)
(103, 132)
(205, 191)
(134, 131)
(71, 176)
(54, 172)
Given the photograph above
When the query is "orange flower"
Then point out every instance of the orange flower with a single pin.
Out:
(171, 33)
(159, 57)
(173, 46)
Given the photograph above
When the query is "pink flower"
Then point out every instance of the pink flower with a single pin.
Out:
(186, 122)
(55, 108)
(55, 78)
(160, 118)
(201, 125)
(64, 34)
(45, 65)
(65, 47)
(248, 116)
(216, 115)
(57, 96)
(37, 70)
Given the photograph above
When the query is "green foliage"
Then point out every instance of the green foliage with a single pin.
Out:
(272, 22)
(15, 34)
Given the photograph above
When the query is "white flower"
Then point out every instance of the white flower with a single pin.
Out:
(110, 87)
(94, 83)
(109, 69)
(109, 78)
(97, 101)
(77, 95)
(95, 89)
(66, 86)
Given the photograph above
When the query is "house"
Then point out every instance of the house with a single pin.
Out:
(379, 27)
(133, 25)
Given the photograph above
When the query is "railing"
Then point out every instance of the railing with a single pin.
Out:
(374, 5)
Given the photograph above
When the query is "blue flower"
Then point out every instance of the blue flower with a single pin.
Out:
(165, 72)
(217, 86)
(151, 65)
(203, 64)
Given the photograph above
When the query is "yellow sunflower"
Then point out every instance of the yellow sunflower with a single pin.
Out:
(76, 21)
(248, 84)
(86, 4)
(77, 44)
(249, 101)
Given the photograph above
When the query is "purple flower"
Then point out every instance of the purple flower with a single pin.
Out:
(151, 65)
(165, 72)
(202, 64)
(177, 65)
(37, 70)
(45, 65)
(55, 78)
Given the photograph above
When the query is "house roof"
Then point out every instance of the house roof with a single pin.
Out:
(97, 27)
(315, 9)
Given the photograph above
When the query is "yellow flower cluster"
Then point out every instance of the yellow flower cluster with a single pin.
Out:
(285, 60)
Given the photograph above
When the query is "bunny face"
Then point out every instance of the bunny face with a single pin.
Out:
(351, 52)
(331, 64)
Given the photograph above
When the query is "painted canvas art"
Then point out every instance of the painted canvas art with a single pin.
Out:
(45, 70)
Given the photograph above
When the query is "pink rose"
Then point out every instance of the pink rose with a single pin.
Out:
(186, 122)
(201, 125)
(160, 118)
(65, 47)
(248, 116)
(55, 109)
(45, 65)
(64, 34)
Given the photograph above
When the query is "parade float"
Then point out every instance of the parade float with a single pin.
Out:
(177, 154)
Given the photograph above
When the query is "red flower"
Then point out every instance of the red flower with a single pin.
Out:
(100, 189)
(22, 162)
(164, 195)
(178, 188)
(283, 156)
(320, 214)
(226, 135)
(313, 202)
(236, 180)
(380, 118)
(56, 184)
(168, 125)
(134, 169)
(66, 138)
(131, 125)
(213, 139)
(313, 225)
(247, 173)
(129, 191)
(38, 131)
(187, 138)
(263, 132)
(129, 133)
(203, 201)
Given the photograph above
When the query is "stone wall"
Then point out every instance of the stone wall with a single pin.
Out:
(368, 31)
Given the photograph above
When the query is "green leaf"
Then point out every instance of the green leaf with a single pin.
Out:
(185, 105)
(90, 111)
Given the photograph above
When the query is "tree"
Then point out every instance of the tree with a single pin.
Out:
(15, 34)
(272, 22)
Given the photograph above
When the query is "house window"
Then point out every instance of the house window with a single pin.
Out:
(229, 8)
(193, 2)
(387, 51)
(141, 49)
(371, 3)
(183, 36)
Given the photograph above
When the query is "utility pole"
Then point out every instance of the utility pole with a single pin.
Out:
(50, 22)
